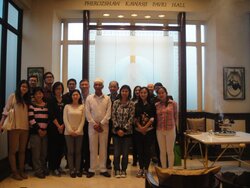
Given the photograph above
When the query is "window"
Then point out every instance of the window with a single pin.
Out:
(195, 37)
(11, 41)
(1, 8)
(10, 54)
(13, 16)
(110, 49)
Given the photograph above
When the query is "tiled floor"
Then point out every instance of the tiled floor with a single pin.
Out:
(101, 182)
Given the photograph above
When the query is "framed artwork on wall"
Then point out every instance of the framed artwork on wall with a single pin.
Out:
(234, 83)
(37, 71)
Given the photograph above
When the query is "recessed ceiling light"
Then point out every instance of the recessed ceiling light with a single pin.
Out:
(161, 16)
(147, 16)
(120, 16)
(106, 15)
(134, 15)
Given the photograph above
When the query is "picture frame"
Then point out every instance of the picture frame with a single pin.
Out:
(38, 71)
(234, 83)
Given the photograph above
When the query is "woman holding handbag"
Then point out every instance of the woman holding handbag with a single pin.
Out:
(18, 135)
(144, 129)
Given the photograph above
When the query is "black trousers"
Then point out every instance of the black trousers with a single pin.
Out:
(144, 143)
(108, 163)
(56, 147)
(85, 162)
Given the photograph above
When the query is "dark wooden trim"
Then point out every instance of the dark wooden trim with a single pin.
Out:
(196, 114)
(19, 46)
(85, 58)
(182, 72)
(3, 56)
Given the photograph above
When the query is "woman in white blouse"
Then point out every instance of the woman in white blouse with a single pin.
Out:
(18, 135)
(73, 117)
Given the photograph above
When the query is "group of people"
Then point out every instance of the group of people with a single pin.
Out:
(80, 126)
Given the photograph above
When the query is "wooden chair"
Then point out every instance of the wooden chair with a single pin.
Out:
(200, 178)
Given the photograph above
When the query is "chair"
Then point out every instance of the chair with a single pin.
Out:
(231, 180)
(176, 178)
(196, 124)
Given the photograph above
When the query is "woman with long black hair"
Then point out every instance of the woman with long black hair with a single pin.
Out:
(144, 129)
(18, 135)
(135, 98)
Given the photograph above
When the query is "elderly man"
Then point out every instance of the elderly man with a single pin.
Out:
(113, 88)
(151, 93)
(98, 112)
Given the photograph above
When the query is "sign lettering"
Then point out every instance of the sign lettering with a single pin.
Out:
(135, 4)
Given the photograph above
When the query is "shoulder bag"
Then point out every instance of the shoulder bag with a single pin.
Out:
(10, 119)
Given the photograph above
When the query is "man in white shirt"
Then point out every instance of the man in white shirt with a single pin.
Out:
(98, 113)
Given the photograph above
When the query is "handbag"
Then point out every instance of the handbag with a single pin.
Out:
(177, 149)
(10, 119)
(177, 155)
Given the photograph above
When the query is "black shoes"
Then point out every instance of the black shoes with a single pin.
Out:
(56, 173)
(72, 174)
(105, 174)
(90, 174)
(78, 174)
(39, 175)
(108, 166)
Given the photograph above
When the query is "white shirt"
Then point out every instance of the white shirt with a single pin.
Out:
(98, 109)
(73, 118)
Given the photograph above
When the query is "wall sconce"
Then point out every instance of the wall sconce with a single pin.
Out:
(132, 49)
(132, 59)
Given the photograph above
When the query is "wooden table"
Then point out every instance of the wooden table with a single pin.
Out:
(207, 139)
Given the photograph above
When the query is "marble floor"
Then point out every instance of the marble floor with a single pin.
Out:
(131, 181)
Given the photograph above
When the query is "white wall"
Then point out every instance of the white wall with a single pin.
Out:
(41, 38)
(228, 45)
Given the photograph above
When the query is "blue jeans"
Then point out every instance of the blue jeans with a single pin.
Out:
(121, 147)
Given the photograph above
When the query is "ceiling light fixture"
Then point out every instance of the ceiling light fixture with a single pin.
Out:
(120, 16)
(134, 15)
(106, 15)
(161, 16)
(147, 16)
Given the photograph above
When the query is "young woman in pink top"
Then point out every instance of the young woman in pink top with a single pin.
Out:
(166, 111)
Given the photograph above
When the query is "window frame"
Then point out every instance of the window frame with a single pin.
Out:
(18, 32)
(198, 44)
